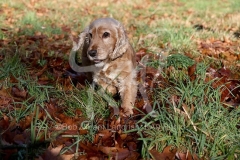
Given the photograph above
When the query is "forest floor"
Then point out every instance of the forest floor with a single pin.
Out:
(188, 55)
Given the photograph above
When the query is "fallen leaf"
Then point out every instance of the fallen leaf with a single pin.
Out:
(52, 153)
(133, 156)
(4, 122)
(115, 152)
(160, 156)
(191, 72)
(132, 146)
(66, 157)
(21, 93)
(19, 139)
(170, 151)
(140, 54)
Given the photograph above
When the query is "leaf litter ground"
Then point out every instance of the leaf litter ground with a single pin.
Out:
(63, 133)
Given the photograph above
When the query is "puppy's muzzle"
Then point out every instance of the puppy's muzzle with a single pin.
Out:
(92, 53)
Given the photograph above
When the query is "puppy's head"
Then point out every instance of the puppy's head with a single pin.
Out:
(106, 40)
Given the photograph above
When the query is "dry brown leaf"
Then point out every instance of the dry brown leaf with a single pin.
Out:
(170, 151)
(4, 101)
(123, 136)
(158, 156)
(103, 135)
(83, 131)
(195, 157)
(140, 54)
(52, 153)
(132, 146)
(133, 156)
(19, 139)
(21, 93)
(65, 157)
(191, 72)
(4, 93)
(26, 122)
(4, 123)
(115, 152)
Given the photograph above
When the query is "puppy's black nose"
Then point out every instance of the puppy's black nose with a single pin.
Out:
(92, 53)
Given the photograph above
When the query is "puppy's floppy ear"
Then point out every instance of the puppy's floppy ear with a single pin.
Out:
(83, 38)
(121, 44)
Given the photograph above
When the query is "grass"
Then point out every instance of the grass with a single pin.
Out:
(12, 66)
(191, 116)
(20, 111)
(91, 103)
(93, 108)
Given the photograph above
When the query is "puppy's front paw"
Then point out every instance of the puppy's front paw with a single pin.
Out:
(127, 112)
(112, 90)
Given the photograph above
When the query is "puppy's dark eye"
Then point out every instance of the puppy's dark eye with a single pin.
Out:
(105, 35)
(90, 35)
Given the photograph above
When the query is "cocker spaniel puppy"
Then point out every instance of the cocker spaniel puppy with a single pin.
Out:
(107, 51)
